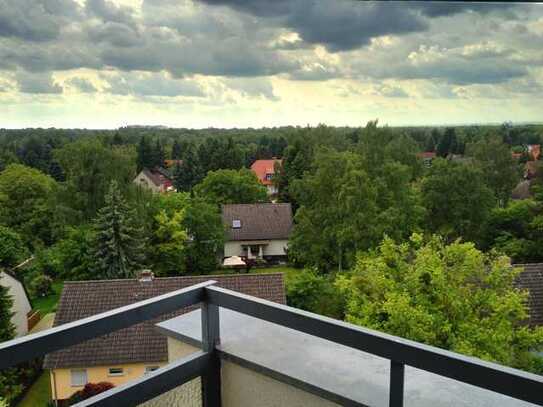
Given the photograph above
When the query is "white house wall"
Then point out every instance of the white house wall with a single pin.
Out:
(273, 248)
(21, 304)
(145, 182)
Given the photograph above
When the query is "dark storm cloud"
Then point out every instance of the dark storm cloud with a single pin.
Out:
(37, 83)
(116, 34)
(229, 57)
(339, 25)
(246, 39)
(153, 85)
(82, 85)
(441, 9)
(108, 11)
(481, 64)
(34, 20)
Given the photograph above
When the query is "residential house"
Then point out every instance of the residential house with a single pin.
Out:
(427, 157)
(265, 170)
(531, 168)
(132, 352)
(257, 231)
(534, 150)
(172, 163)
(522, 190)
(21, 302)
(531, 279)
(157, 180)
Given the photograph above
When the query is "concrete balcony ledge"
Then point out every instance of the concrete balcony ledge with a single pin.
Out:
(262, 358)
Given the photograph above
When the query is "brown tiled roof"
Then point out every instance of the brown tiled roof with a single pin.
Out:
(139, 343)
(522, 190)
(531, 279)
(263, 221)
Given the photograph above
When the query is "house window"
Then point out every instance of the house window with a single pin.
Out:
(236, 224)
(149, 369)
(269, 177)
(116, 371)
(78, 377)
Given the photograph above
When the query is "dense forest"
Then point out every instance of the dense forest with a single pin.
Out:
(364, 199)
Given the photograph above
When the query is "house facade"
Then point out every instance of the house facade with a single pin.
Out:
(257, 231)
(265, 171)
(427, 157)
(132, 352)
(158, 180)
(21, 302)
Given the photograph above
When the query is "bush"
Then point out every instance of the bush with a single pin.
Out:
(90, 390)
(41, 286)
(12, 249)
(310, 291)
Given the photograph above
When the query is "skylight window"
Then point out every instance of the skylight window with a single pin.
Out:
(236, 224)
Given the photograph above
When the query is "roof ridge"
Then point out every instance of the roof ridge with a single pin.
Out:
(175, 277)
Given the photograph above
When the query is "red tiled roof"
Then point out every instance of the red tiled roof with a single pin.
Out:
(140, 343)
(263, 167)
(159, 177)
(427, 154)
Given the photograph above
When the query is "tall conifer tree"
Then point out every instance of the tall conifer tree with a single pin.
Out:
(118, 246)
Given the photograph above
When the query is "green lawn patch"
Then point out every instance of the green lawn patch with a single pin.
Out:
(39, 393)
(48, 304)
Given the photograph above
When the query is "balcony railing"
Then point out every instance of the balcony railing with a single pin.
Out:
(206, 363)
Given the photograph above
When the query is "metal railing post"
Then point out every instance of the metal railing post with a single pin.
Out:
(397, 375)
(211, 379)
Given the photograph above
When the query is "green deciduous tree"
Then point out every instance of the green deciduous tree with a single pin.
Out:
(189, 173)
(167, 248)
(118, 245)
(71, 258)
(144, 152)
(500, 171)
(448, 143)
(517, 230)
(12, 248)
(231, 186)
(457, 200)
(337, 212)
(297, 159)
(90, 167)
(25, 203)
(206, 236)
(451, 296)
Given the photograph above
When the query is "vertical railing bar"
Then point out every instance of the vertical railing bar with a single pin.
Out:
(211, 379)
(397, 376)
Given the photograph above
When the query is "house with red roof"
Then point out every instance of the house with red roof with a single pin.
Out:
(265, 170)
(427, 157)
(157, 180)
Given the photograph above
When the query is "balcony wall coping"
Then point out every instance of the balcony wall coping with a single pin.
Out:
(332, 371)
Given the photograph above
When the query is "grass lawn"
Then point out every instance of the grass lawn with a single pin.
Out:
(39, 393)
(288, 272)
(48, 304)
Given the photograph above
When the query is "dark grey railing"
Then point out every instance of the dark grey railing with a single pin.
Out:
(206, 364)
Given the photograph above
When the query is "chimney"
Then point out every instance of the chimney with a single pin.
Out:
(146, 276)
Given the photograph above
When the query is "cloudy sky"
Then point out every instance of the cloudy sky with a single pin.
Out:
(254, 63)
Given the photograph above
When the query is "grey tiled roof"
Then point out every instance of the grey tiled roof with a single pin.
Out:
(262, 221)
(531, 279)
(139, 343)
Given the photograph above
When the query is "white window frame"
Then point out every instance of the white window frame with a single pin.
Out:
(83, 378)
(114, 374)
(149, 369)
(236, 224)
